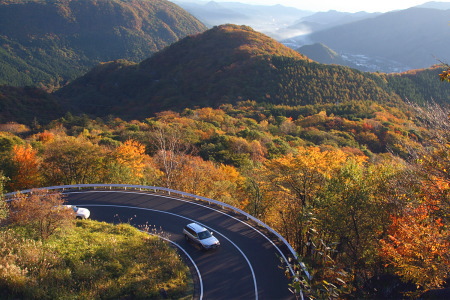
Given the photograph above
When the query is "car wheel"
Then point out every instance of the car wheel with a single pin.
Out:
(79, 218)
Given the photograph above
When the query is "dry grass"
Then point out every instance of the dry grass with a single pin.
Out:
(90, 261)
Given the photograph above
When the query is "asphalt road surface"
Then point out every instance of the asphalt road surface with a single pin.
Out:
(247, 264)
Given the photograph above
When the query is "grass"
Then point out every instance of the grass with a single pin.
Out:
(92, 260)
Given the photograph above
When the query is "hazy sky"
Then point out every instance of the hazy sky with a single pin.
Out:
(340, 5)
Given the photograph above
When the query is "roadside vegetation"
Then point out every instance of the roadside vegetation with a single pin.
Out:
(47, 254)
(359, 189)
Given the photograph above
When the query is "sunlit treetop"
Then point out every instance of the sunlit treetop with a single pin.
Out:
(445, 75)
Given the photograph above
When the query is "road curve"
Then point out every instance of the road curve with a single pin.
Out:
(246, 266)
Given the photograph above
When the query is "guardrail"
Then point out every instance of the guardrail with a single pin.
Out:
(175, 192)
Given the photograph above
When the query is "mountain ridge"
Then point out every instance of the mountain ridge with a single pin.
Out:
(48, 43)
(225, 64)
(398, 37)
(229, 64)
(321, 53)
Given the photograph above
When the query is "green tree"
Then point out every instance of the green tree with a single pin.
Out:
(352, 214)
(70, 160)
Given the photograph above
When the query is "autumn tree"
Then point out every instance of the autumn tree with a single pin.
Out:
(71, 160)
(26, 164)
(417, 246)
(293, 182)
(418, 239)
(127, 163)
(45, 136)
(258, 201)
(352, 214)
(7, 143)
(431, 164)
(171, 148)
(445, 75)
(205, 178)
(42, 211)
(132, 154)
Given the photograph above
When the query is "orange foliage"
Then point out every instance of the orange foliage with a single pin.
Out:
(27, 165)
(385, 116)
(45, 136)
(418, 247)
(367, 127)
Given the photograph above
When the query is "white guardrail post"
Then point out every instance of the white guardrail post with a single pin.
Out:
(182, 194)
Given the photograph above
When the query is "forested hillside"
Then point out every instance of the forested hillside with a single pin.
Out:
(321, 53)
(47, 43)
(352, 174)
(421, 86)
(359, 189)
(28, 104)
(227, 64)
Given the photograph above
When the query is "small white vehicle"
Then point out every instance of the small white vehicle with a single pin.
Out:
(200, 235)
(80, 212)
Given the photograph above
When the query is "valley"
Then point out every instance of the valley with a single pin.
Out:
(338, 142)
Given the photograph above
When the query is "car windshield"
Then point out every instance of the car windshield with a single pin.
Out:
(204, 235)
(75, 209)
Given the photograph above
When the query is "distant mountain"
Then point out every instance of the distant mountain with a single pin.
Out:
(435, 4)
(213, 13)
(268, 19)
(321, 53)
(392, 42)
(48, 43)
(225, 64)
(316, 22)
(334, 18)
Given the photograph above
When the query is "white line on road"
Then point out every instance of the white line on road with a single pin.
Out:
(224, 213)
(191, 220)
(190, 258)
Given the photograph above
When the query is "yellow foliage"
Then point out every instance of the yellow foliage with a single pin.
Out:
(445, 75)
(132, 154)
(209, 114)
(204, 178)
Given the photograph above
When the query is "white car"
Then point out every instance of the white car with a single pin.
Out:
(200, 235)
(80, 212)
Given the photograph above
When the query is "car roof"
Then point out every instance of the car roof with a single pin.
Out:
(196, 227)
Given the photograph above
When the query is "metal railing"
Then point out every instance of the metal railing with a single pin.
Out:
(170, 192)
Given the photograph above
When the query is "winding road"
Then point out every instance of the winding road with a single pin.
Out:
(246, 266)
